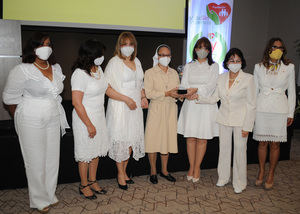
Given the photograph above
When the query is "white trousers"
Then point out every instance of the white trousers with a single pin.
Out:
(239, 180)
(40, 145)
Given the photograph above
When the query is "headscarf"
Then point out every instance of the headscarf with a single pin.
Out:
(155, 57)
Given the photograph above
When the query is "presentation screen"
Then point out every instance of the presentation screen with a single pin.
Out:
(140, 15)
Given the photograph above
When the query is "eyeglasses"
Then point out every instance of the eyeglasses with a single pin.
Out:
(164, 55)
(277, 47)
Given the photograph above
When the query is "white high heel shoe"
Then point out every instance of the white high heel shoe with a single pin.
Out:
(195, 180)
(189, 178)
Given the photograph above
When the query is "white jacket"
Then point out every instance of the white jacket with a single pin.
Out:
(237, 103)
(271, 88)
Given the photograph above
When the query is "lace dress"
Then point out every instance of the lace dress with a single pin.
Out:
(126, 127)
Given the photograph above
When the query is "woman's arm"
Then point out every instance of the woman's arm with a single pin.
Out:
(77, 97)
(291, 96)
(251, 106)
(13, 90)
(144, 101)
(113, 94)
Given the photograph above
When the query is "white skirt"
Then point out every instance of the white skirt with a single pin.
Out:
(198, 120)
(270, 127)
(86, 148)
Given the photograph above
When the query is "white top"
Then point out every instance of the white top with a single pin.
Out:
(94, 89)
(238, 102)
(202, 76)
(25, 81)
(271, 88)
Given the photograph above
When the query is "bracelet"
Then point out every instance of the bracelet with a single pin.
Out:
(143, 97)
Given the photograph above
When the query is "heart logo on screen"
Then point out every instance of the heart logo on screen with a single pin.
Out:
(218, 12)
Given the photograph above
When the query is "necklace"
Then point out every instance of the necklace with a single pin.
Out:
(40, 67)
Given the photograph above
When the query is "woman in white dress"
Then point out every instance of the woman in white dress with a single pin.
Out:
(124, 114)
(275, 111)
(197, 122)
(236, 116)
(89, 124)
(32, 93)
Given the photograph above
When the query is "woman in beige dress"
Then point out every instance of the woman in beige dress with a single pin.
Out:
(161, 83)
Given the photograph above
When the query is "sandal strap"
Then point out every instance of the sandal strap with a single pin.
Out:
(83, 186)
(91, 182)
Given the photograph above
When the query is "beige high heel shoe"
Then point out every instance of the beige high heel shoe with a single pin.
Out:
(268, 186)
(258, 183)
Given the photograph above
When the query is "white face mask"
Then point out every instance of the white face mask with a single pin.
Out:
(164, 61)
(202, 53)
(235, 67)
(127, 50)
(43, 52)
(98, 61)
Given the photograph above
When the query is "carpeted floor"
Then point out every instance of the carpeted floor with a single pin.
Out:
(179, 197)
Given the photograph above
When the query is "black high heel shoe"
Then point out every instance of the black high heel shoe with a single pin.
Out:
(100, 192)
(123, 187)
(90, 197)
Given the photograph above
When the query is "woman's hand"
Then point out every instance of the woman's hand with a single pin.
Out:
(144, 103)
(172, 93)
(289, 121)
(130, 103)
(92, 131)
(191, 91)
(244, 133)
(192, 97)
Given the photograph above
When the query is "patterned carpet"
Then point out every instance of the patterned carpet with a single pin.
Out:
(179, 197)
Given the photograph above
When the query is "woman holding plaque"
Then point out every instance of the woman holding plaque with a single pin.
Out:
(275, 111)
(161, 84)
(236, 91)
(197, 122)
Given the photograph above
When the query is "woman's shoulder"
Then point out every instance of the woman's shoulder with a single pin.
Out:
(78, 72)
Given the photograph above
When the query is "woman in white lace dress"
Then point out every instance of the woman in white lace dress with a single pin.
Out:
(89, 125)
(197, 122)
(32, 93)
(124, 115)
(275, 111)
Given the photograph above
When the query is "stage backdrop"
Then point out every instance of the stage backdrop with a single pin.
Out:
(134, 15)
(212, 19)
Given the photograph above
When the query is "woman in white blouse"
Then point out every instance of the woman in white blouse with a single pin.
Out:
(236, 115)
(89, 124)
(197, 122)
(32, 93)
(125, 118)
(275, 111)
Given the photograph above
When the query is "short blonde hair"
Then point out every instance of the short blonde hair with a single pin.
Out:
(123, 36)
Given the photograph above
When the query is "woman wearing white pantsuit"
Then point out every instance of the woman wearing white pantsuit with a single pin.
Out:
(236, 115)
(32, 93)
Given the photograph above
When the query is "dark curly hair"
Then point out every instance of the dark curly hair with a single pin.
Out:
(206, 43)
(268, 50)
(37, 40)
(88, 52)
(232, 52)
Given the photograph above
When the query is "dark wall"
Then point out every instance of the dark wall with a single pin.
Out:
(67, 41)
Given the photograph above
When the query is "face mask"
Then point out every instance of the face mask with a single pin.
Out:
(235, 67)
(43, 52)
(202, 53)
(127, 50)
(98, 61)
(277, 54)
(164, 61)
